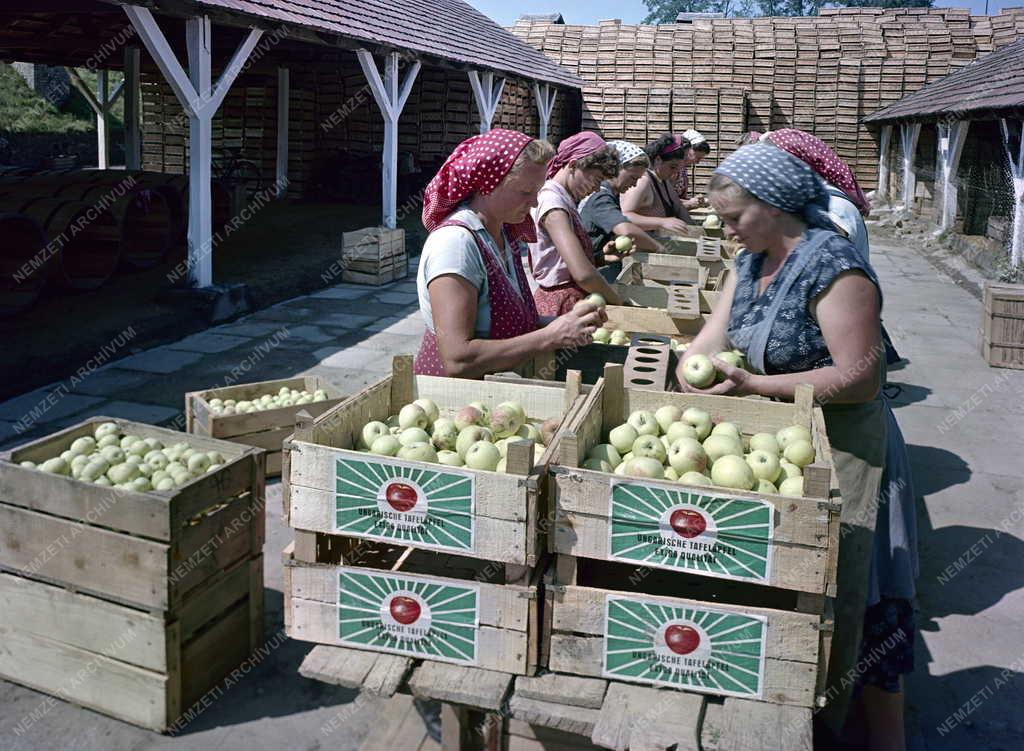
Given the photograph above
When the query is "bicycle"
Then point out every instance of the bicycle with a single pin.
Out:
(232, 169)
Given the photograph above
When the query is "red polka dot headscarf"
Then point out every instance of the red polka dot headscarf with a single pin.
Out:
(823, 160)
(477, 165)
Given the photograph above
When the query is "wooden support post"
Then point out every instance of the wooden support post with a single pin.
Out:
(390, 98)
(951, 145)
(544, 95)
(487, 93)
(200, 100)
(283, 94)
(909, 133)
(1016, 157)
(884, 155)
(132, 109)
(103, 119)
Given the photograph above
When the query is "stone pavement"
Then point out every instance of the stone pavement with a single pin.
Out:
(961, 419)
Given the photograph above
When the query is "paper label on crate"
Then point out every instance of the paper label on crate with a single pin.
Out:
(416, 616)
(691, 531)
(396, 501)
(699, 649)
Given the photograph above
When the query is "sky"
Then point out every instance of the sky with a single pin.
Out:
(633, 11)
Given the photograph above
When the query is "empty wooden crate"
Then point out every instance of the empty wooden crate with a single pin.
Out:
(375, 255)
(1002, 330)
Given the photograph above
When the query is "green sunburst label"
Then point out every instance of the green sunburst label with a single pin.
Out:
(691, 531)
(387, 499)
(700, 649)
(416, 616)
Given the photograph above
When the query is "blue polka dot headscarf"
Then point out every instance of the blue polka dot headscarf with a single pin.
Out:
(780, 180)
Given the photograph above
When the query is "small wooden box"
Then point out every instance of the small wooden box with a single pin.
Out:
(375, 255)
(789, 543)
(266, 429)
(1002, 326)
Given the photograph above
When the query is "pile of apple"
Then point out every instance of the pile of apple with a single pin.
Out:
(474, 436)
(674, 444)
(285, 397)
(610, 336)
(113, 459)
(700, 372)
(711, 221)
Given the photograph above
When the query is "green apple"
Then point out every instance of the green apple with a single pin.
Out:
(623, 243)
(726, 428)
(717, 446)
(502, 465)
(699, 371)
(122, 473)
(700, 420)
(645, 466)
(766, 486)
(84, 445)
(732, 471)
(468, 415)
(764, 464)
(607, 453)
(649, 446)
(800, 453)
(410, 436)
(765, 442)
(413, 416)
(667, 415)
(619, 338)
(450, 458)
(112, 454)
(386, 445)
(371, 432)
(643, 422)
(789, 469)
(418, 452)
(670, 474)
(392, 423)
(665, 442)
(429, 406)
(711, 221)
(105, 429)
(470, 435)
(198, 463)
(602, 336)
(622, 437)
(628, 456)
(156, 458)
(793, 433)
(731, 358)
(792, 487)
(530, 432)
(483, 455)
(598, 465)
(679, 430)
(141, 484)
(109, 439)
(502, 446)
(56, 466)
(94, 469)
(621, 469)
(595, 299)
(687, 455)
(506, 419)
(694, 478)
(445, 434)
(67, 456)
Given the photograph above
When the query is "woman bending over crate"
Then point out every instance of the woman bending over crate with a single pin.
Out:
(562, 258)
(474, 296)
(804, 306)
(653, 204)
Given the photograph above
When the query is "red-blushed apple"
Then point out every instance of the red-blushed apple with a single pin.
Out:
(687, 455)
(688, 523)
(644, 466)
(468, 415)
(404, 610)
(400, 496)
(681, 639)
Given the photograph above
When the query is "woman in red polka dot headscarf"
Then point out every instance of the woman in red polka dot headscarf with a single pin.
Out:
(474, 295)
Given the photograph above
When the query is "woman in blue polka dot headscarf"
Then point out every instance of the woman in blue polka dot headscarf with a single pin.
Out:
(804, 307)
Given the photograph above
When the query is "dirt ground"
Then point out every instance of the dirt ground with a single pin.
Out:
(133, 311)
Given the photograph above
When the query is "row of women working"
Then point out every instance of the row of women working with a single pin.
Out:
(804, 306)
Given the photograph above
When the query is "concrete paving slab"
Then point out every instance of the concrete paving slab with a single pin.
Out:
(44, 405)
(250, 328)
(110, 380)
(399, 298)
(161, 360)
(344, 320)
(208, 342)
(355, 358)
(343, 292)
(305, 335)
(153, 414)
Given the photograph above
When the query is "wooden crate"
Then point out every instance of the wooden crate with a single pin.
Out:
(667, 630)
(266, 429)
(489, 515)
(137, 665)
(705, 271)
(375, 255)
(484, 620)
(147, 550)
(1002, 326)
(796, 548)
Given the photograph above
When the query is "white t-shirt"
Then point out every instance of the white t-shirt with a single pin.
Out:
(844, 213)
(452, 250)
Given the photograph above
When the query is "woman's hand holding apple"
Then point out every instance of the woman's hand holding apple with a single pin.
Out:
(737, 381)
(576, 328)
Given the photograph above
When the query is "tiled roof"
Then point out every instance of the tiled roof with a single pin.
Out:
(989, 84)
(448, 29)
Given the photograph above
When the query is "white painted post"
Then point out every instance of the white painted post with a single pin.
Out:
(487, 94)
(390, 98)
(200, 100)
(283, 93)
(132, 109)
(884, 150)
(909, 133)
(951, 145)
(545, 96)
(1017, 174)
(103, 120)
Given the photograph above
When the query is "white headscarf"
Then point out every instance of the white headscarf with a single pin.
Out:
(694, 137)
(627, 151)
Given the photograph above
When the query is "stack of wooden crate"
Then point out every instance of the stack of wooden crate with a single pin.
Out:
(407, 560)
(134, 604)
(375, 255)
(1002, 329)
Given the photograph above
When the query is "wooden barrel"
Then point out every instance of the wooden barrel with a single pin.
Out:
(22, 266)
(83, 243)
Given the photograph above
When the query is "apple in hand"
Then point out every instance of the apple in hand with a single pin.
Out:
(413, 416)
(596, 300)
(667, 415)
(730, 358)
(765, 442)
(792, 487)
(649, 446)
(386, 445)
(793, 433)
(483, 455)
(623, 243)
(418, 452)
(764, 465)
(700, 420)
(694, 478)
(699, 371)
(687, 455)
(679, 430)
(645, 466)
(622, 437)
(605, 452)
(717, 446)
(643, 422)
(732, 471)
(799, 452)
